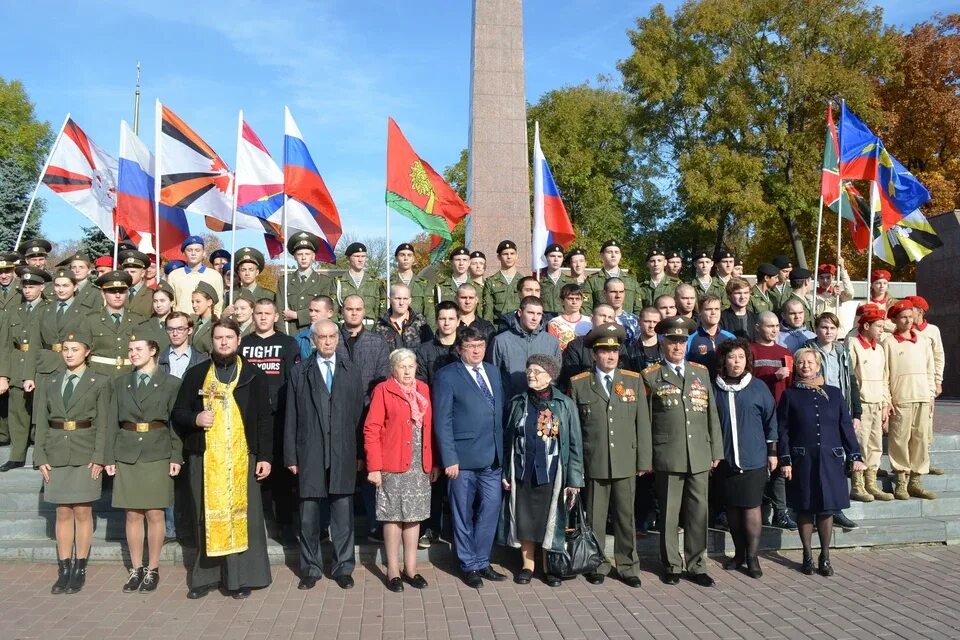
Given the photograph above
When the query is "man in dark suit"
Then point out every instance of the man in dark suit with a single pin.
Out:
(468, 423)
(323, 418)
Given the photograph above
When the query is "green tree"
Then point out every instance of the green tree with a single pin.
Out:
(729, 102)
(16, 185)
(95, 242)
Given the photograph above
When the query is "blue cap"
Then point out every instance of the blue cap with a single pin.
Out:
(189, 240)
(173, 265)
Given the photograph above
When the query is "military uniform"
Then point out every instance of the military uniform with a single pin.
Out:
(780, 293)
(421, 294)
(759, 301)
(615, 426)
(499, 296)
(648, 292)
(301, 289)
(139, 296)
(88, 295)
(9, 299)
(371, 289)
(550, 292)
(19, 343)
(594, 285)
(202, 338)
(53, 326)
(108, 332)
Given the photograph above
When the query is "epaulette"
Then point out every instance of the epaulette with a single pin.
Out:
(581, 376)
(651, 368)
(629, 374)
(696, 364)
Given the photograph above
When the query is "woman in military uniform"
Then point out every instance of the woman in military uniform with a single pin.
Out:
(71, 409)
(56, 319)
(147, 454)
(204, 299)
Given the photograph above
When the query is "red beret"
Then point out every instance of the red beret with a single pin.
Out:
(104, 261)
(880, 274)
(920, 302)
(869, 312)
(897, 308)
(827, 268)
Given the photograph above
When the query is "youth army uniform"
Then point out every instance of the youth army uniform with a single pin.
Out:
(54, 325)
(202, 339)
(139, 297)
(446, 290)
(550, 292)
(370, 289)
(108, 337)
(781, 291)
(301, 287)
(256, 291)
(87, 293)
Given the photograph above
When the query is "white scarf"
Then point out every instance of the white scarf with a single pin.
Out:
(732, 390)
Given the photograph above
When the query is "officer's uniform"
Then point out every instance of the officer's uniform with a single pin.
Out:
(614, 421)
(371, 289)
(33, 248)
(685, 440)
(54, 324)
(139, 297)
(108, 356)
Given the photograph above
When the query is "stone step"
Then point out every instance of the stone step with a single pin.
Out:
(949, 481)
(945, 459)
(877, 510)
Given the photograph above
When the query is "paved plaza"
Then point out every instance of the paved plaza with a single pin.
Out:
(885, 593)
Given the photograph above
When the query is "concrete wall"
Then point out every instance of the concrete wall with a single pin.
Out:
(938, 280)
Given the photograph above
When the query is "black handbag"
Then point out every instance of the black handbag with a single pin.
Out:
(581, 551)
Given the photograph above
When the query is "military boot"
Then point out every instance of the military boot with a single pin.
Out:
(857, 490)
(900, 490)
(870, 484)
(78, 577)
(63, 576)
(936, 471)
(915, 488)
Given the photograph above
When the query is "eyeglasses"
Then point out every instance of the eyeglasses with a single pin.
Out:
(177, 329)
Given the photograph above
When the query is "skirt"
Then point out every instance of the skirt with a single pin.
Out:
(143, 485)
(534, 504)
(743, 489)
(71, 485)
(405, 497)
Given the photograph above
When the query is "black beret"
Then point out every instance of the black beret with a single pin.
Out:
(576, 252)
(553, 248)
(504, 245)
(702, 255)
(782, 262)
(673, 254)
(723, 254)
(610, 243)
(767, 269)
(738, 262)
(459, 251)
(656, 251)
(355, 247)
(800, 274)
(478, 254)
(405, 246)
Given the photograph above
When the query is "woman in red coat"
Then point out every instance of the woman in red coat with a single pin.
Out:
(397, 439)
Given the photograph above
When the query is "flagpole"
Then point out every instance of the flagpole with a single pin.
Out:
(839, 205)
(386, 212)
(286, 254)
(873, 204)
(43, 171)
(157, 183)
(233, 215)
(816, 258)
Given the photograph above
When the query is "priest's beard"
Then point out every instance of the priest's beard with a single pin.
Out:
(223, 360)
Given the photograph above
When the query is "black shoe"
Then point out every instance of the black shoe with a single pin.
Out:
(491, 575)
(631, 581)
(10, 464)
(240, 594)
(825, 568)
(595, 578)
(782, 520)
(198, 592)
(701, 579)
(395, 584)
(843, 521)
(169, 539)
(753, 568)
(523, 577)
(63, 576)
(720, 522)
(807, 566)
(551, 580)
(344, 582)
(417, 581)
(670, 578)
(151, 578)
(307, 582)
(78, 576)
(732, 564)
(133, 582)
(472, 579)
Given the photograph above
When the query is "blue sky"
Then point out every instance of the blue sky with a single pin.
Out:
(342, 67)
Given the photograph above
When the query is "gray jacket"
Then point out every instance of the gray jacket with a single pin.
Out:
(512, 348)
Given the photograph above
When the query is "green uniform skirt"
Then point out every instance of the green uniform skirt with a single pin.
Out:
(143, 485)
(71, 485)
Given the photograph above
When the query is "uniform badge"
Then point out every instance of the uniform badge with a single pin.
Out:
(702, 349)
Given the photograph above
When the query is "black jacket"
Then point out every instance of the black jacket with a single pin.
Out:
(431, 356)
(729, 322)
(371, 355)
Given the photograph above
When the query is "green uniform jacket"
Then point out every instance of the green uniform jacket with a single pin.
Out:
(759, 301)
(371, 289)
(19, 343)
(808, 314)
(587, 307)
(202, 339)
(111, 341)
(615, 430)
(778, 295)
(299, 295)
(141, 303)
(12, 298)
(132, 405)
(649, 292)
(685, 428)
(499, 296)
(257, 292)
(446, 290)
(716, 288)
(90, 296)
(52, 330)
(160, 328)
(594, 284)
(550, 291)
(90, 401)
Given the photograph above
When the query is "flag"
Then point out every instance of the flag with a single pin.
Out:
(833, 196)
(860, 214)
(417, 191)
(859, 148)
(307, 194)
(551, 223)
(900, 190)
(135, 199)
(910, 240)
(84, 175)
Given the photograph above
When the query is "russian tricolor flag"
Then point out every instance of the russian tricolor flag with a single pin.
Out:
(551, 224)
(136, 201)
(305, 188)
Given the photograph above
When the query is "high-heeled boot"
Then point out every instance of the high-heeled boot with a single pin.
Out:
(63, 577)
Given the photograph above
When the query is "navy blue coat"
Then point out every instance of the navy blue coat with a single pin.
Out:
(756, 420)
(468, 431)
(817, 440)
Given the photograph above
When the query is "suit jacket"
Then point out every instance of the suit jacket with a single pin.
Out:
(196, 357)
(322, 428)
(90, 401)
(685, 428)
(252, 397)
(615, 428)
(130, 404)
(469, 432)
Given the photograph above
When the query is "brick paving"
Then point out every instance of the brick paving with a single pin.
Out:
(890, 593)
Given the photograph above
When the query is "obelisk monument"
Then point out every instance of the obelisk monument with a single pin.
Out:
(498, 187)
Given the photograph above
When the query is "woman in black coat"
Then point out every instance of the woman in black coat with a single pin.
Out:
(816, 440)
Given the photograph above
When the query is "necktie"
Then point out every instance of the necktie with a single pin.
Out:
(4, 287)
(62, 309)
(329, 376)
(68, 389)
(116, 318)
(484, 389)
(608, 382)
(143, 382)
(679, 371)
(303, 278)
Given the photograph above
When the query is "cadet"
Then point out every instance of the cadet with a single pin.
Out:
(218, 258)
(478, 269)
(611, 254)
(800, 284)
(703, 282)
(184, 280)
(9, 299)
(87, 293)
(144, 453)
(71, 409)
(19, 341)
(577, 263)
(552, 280)
(499, 291)
(204, 300)
(658, 284)
(304, 284)
(760, 294)
(110, 327)
(356, 281)
(249, 263)
(139, 295)
(103, 264)
(421, 294)
(686, 444)
(674, 265)
(780, 292)
(60, 316)
(446, 288)
(35, 253)
(726, 263)
(614, 420)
